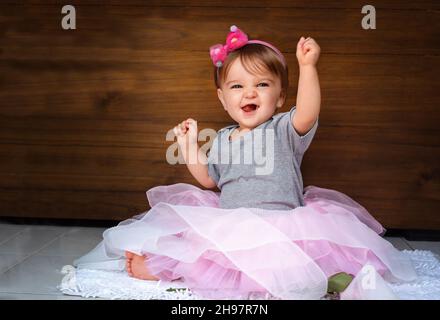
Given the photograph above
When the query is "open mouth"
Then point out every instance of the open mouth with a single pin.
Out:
(249, 108)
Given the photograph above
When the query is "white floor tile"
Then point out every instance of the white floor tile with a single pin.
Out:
(37, 274)
(32, 239)
(8, 231)
(9, 260)
(76, 242)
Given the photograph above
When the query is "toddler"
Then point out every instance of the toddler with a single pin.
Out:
(263, 234)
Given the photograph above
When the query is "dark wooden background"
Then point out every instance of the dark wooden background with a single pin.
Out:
(84, 112)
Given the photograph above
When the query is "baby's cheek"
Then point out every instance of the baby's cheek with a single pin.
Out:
(233, 99)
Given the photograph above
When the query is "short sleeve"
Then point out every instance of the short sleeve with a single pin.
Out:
(213, 168)
(284, 128)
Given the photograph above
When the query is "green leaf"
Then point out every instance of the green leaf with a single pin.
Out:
(339, 282)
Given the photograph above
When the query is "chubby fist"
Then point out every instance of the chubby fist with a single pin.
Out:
(186, 132)
(307, 51)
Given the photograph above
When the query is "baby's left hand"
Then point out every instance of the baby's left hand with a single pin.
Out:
(307, 51)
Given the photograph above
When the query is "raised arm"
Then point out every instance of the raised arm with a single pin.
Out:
(308, 99)
(195, 159)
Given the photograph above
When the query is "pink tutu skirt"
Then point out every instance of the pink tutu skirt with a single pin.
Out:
(239, 253)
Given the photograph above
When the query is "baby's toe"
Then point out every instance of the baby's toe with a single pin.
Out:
(128, 267)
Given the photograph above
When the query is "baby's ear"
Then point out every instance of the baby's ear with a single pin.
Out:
(221, 98)
(281, 99)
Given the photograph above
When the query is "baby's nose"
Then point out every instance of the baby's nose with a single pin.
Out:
(251, 92)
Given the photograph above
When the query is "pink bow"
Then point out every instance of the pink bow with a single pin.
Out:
(235, 39)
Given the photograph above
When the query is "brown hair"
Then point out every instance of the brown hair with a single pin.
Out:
(255, 58)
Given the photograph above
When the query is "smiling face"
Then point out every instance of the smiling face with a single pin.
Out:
(250, 99)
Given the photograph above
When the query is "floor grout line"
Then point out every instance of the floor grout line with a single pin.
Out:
(31, 254)
(14, 235)
(408, 243)
(19, 260)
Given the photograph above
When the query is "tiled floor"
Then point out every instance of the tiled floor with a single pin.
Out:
(32, 256)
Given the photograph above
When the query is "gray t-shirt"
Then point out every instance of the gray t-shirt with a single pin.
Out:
(260, 169)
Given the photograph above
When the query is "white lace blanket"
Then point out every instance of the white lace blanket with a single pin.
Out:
(118, 285)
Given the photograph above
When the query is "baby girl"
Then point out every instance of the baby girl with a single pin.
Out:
(263, 233)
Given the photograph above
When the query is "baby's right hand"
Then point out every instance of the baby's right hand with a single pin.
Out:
(186, 131)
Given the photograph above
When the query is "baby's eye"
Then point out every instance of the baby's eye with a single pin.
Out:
(263, 84)
(236, 86)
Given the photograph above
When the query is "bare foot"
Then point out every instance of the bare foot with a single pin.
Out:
(137, 268)
(129, 257)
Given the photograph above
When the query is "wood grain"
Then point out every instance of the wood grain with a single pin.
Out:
(84, 113)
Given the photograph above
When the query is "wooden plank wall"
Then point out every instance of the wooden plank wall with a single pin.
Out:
(84, 113)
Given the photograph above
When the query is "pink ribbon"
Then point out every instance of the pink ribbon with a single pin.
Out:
(235, 40)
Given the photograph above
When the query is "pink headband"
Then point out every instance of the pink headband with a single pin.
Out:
(235, 40)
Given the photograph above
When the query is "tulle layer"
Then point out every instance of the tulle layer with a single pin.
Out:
(235, 253)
